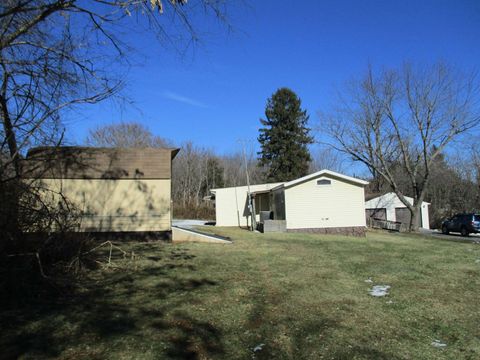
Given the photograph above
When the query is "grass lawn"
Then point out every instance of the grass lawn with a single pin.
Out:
(302, 296)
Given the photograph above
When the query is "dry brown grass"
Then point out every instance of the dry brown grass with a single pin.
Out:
(303, 296)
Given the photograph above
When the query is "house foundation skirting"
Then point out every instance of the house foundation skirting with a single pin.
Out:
(359, 231)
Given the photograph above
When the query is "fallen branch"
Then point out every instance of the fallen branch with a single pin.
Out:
(110, 252)
(111, 247)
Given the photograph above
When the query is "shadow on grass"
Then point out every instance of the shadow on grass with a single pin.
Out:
(191, 339)
(313, 331)
(110, 307)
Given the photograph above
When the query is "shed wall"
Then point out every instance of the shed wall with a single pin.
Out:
(390, 202)
(115, 205)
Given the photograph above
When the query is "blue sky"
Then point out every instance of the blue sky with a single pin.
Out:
(216, 93)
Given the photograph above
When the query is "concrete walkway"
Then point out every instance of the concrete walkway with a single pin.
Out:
(189, 235)
(188, 223)
(183, 230)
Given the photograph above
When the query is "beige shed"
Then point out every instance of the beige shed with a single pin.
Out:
(113, 190)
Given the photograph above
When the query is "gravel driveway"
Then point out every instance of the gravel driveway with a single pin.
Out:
(452, 236)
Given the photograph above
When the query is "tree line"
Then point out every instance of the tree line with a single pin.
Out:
(400, 124)
(454, 186)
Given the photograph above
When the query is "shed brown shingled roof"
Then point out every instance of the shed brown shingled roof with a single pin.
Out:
(75, 162)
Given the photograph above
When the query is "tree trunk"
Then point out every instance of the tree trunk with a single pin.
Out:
(10, 217)
(10, 136)
(416, 216)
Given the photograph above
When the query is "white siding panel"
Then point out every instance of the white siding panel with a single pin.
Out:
(340, 204)
(231, 206)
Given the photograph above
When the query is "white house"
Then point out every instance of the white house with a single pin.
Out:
(389, 207)
(324, 202)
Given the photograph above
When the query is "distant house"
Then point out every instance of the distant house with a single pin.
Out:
(113, 190)
(389, 207)
(323, 202)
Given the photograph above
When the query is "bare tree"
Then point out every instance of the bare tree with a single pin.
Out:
(57, 54)
(452, 188)
(397, 122)
(234, 171)
(124, 135)
(196, 170)
(189, 172)
(327, 158)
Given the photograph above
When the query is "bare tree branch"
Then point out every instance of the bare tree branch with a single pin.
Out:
(398, 122)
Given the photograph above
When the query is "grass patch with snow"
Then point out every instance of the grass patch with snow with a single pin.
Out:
(282, 296)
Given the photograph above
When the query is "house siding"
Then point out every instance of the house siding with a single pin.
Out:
(337, 205)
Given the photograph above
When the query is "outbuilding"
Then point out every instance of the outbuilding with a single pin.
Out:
(322, 202)
(111, 189)
(389, 207)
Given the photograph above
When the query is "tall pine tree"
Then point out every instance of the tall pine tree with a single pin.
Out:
(284, 137)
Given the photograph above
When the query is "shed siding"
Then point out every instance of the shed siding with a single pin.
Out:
(390, 202)
(340, 204)
(380, 213)
(402, 214)
(116, 205)
(425, 216)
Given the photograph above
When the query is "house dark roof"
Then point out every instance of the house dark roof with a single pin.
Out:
(74, 162)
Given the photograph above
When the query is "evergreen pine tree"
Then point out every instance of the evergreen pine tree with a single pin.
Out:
(284, 137)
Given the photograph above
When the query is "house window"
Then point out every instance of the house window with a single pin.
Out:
(324, 182)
